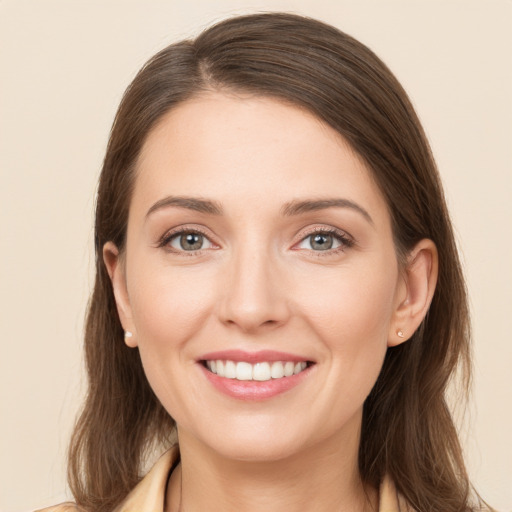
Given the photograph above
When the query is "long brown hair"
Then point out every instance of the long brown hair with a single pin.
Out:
(407, 430)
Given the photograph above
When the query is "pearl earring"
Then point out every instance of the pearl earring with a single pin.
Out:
(400, 333)
(127, 334)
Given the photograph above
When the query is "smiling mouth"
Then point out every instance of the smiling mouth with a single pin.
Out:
(261, 371)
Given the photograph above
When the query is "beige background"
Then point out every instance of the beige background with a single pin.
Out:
(63, 68)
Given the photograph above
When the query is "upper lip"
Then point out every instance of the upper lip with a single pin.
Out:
(252, 357)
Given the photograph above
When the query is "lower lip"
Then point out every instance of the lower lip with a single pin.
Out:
(253, 389)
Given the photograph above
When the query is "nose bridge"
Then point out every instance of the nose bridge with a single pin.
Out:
(254, 295)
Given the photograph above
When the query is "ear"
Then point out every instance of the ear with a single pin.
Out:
(415, 292)
(116, 271)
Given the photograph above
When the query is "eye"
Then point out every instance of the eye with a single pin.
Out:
(325, 240)
(188, 241)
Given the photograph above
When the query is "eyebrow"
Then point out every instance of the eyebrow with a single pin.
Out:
(299, 207)
(189, 203)
(292, 208)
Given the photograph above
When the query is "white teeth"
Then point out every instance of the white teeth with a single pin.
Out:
(262, 371)
(277, 370)
(243, 371)
(230, 370)
(288, 369)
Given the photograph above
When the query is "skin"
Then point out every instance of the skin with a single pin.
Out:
(257, 283)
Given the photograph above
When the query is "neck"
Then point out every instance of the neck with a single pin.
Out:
(323, 478)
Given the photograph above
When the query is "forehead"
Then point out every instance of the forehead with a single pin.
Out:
(242, 149)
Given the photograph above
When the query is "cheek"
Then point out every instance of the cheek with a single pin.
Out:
(169, 304)
(350, 308)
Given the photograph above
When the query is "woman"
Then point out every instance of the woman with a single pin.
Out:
(278, 299)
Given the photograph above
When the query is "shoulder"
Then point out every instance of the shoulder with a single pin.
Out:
(390, 500)
(63, 507)
(149, 494)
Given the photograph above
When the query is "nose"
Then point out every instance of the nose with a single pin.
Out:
(254, 296)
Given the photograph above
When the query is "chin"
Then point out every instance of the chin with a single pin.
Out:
(258, 450)
(268, 441)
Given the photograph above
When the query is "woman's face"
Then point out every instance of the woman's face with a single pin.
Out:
(258, 246)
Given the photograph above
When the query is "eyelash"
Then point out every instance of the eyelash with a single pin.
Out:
(169, 236)
(345, 240)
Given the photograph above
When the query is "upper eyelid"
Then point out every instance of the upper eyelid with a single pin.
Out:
(326, 229)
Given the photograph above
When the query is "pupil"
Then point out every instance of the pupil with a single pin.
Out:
(191, 241)
(322, 242)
